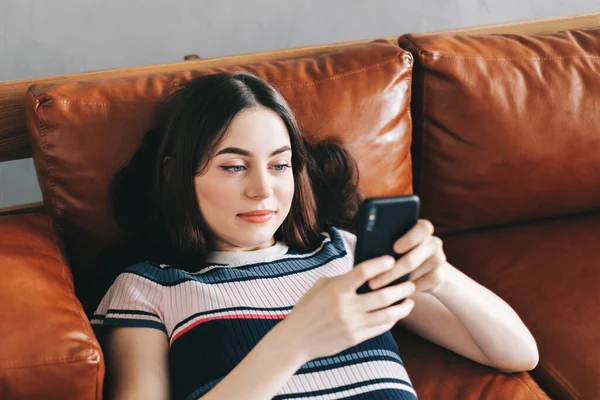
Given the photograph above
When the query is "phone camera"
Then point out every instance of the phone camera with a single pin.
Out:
(372, 216)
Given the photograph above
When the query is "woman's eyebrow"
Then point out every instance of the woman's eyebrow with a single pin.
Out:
(242, 152)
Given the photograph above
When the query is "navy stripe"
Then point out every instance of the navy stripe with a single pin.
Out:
(201, 391)
(133, 323)
(127, 312)
(385, 347)
(273, 269)
(341, 388)
(339, 364)
(222, 310)
(384, 394)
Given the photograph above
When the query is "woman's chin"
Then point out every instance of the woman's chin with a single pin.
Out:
(253, 236)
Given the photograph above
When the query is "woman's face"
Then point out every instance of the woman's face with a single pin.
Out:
(249, 172)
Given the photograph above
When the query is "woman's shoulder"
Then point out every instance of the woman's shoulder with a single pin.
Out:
(347, 236)
(342, 238)
(132, 300)
(141, 274)
(134, 273)
(145, 266)
(158, 272)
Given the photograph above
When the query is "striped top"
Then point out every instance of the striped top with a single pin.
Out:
(215, 316)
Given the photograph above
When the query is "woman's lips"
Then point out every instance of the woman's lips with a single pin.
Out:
(256, 217)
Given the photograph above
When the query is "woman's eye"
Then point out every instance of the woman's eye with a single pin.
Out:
(234, 168)
(281, 167)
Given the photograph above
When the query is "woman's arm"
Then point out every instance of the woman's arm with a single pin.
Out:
(456, 312)
(137, 364)
(470, 320)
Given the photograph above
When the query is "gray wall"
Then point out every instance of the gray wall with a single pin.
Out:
(40, 38)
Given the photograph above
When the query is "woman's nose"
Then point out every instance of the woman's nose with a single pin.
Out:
(260, 185)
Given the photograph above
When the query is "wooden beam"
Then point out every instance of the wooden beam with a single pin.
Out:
(29, 208)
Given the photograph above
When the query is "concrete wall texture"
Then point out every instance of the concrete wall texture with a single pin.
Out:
(41, 38)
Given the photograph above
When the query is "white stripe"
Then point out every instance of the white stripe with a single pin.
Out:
(191, 297)
(280, 258)
(132, 292)
(347, 375)
(360, 390)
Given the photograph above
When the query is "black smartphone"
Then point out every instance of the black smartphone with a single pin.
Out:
(381, 222)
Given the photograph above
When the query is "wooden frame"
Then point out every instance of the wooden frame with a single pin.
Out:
(14, 142)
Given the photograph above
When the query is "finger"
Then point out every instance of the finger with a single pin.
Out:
(432, 262)
(430, 282)
(408, 263)
(416, 235)
(382, 298)
(389, 314)
(366, 270)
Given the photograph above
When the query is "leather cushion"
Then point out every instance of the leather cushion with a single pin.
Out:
(82, 132)
(506, 126)
(548, 272)
(47, 344)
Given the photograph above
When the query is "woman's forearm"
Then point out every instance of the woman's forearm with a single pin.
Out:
(264, 371)
(494, 326)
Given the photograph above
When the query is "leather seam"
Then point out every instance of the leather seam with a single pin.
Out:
(396, 57)
(331, 78)
(71, 295)
(111, 104)
(43, 362)
(527, 386)
(46, 158)
(97, 381)
(439, 55)
(413, 160)
(409, 81)
(423, 76)
(552, 372)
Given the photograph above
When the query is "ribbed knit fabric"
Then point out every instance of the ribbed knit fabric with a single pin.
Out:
(215, 316)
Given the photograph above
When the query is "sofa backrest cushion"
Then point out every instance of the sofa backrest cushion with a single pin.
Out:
(506, 127)
(83, 132)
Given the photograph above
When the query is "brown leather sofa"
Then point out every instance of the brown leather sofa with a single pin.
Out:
(498, 134)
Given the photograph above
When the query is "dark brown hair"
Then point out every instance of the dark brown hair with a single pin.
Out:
(153, 196)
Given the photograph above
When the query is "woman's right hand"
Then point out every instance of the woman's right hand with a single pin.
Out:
(332, 317)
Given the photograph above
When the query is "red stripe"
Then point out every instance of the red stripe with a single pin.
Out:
(228, 316)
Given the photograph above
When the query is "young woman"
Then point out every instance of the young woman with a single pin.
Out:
(246, 287)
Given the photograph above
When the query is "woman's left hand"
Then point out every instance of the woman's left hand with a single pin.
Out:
(424, 259)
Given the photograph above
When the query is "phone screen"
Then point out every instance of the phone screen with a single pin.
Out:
(381, 222)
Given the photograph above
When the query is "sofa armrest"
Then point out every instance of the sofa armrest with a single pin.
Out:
(47, 346)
